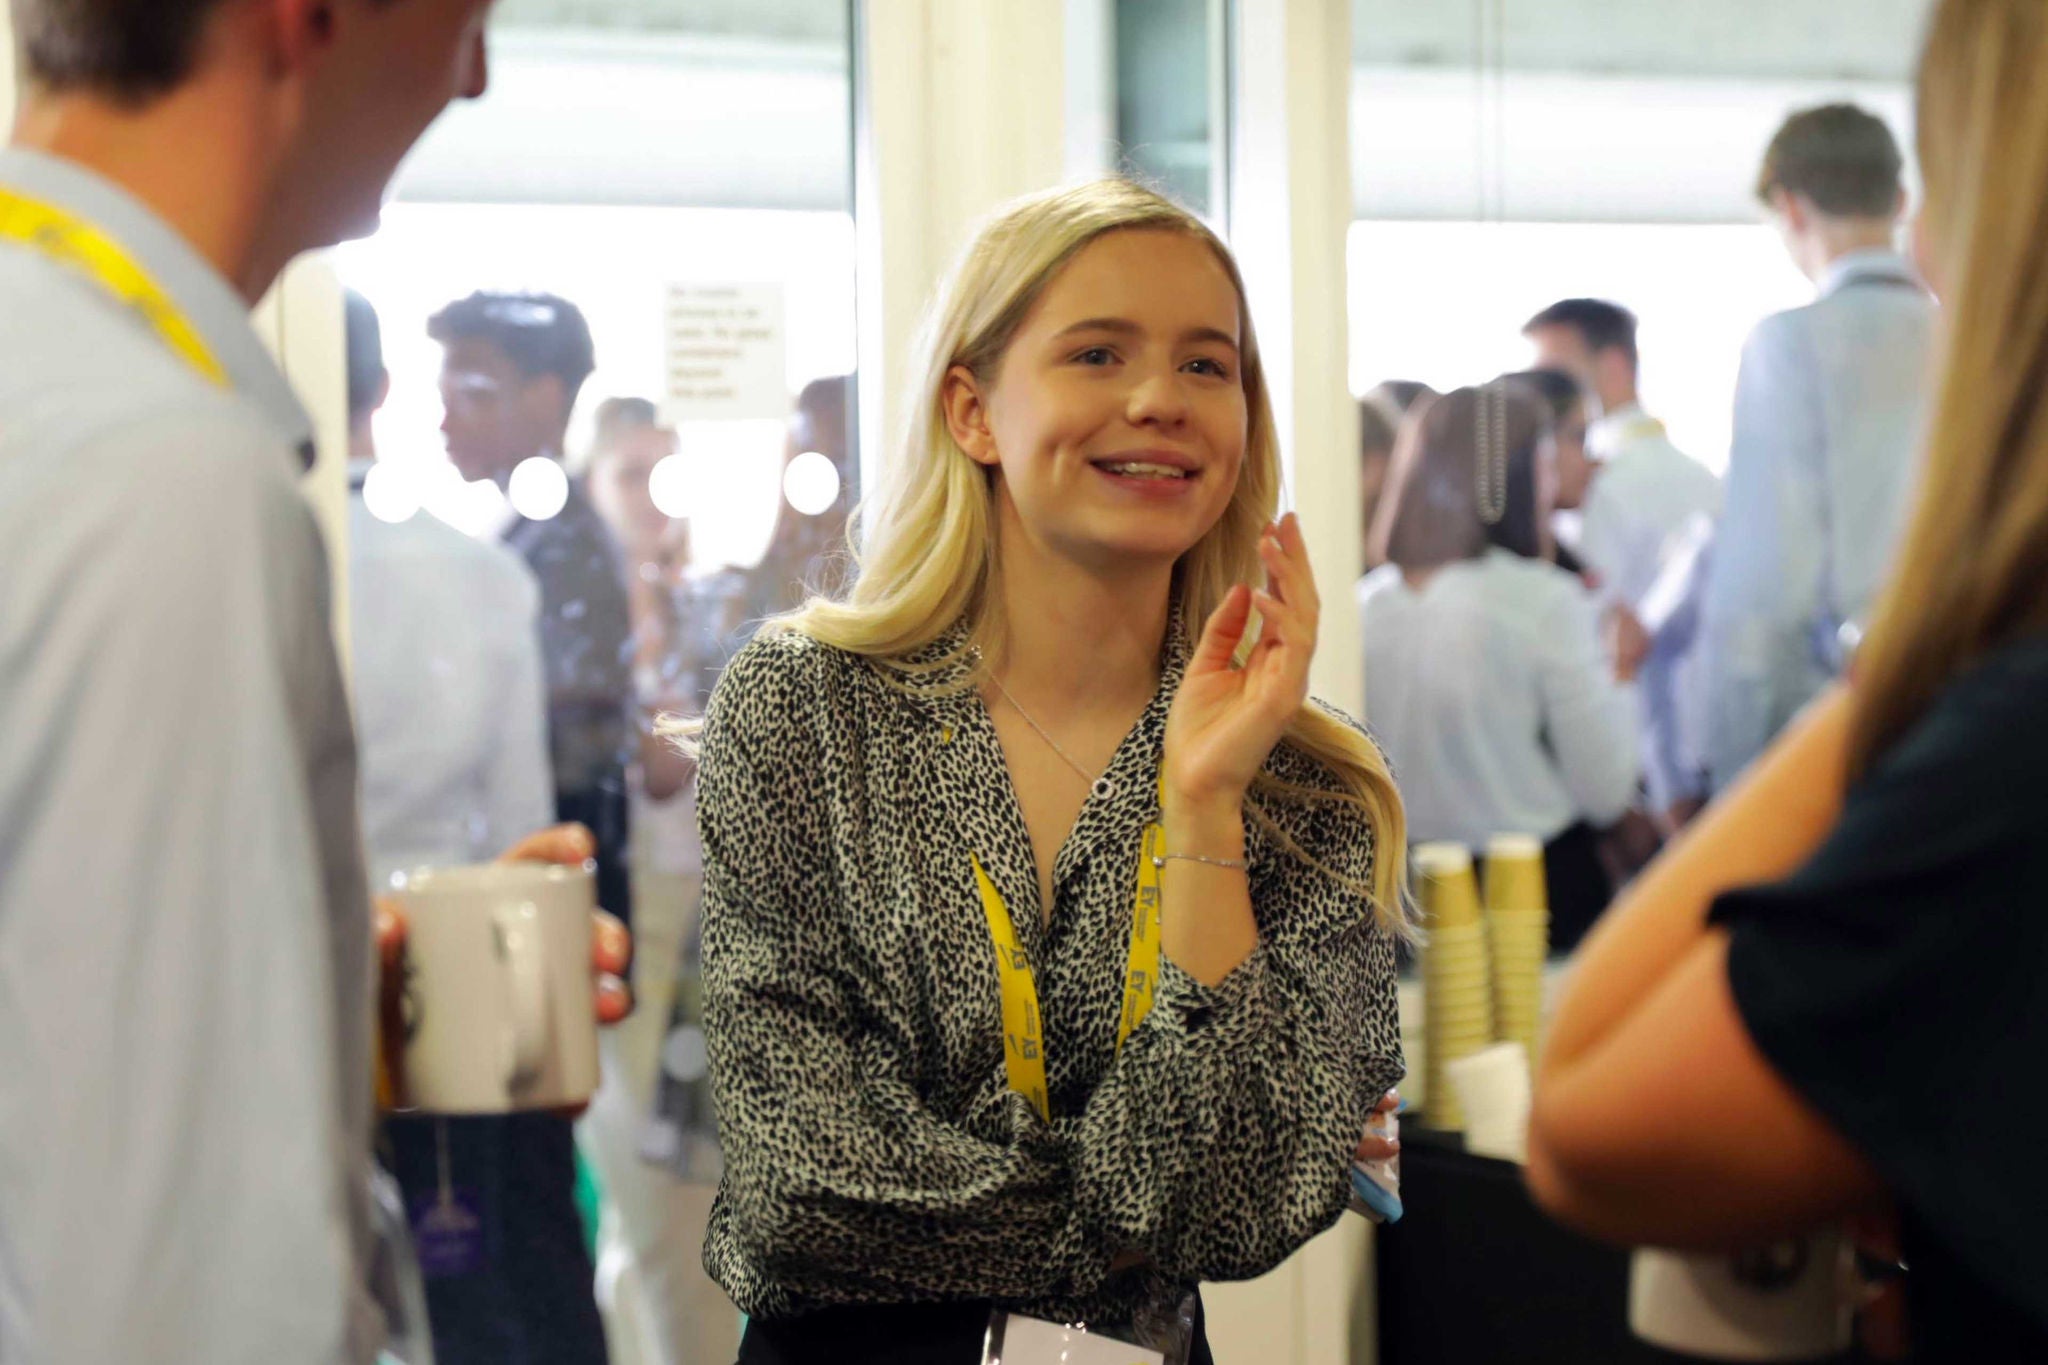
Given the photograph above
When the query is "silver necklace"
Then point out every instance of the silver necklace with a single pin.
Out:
(1098, 784)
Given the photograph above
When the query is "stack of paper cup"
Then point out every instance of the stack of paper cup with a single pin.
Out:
(1457, 993)
(1518, 937)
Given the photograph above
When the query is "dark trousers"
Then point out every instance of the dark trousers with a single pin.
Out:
(890, 1334)
(527, 1295)
(606, 810)
(1577, 883)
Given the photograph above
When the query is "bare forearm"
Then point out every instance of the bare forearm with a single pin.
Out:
(1764, 828)
(1206, 925)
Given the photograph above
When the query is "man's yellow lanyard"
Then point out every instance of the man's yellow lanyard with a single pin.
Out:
(1023, 1023)
(79, 246)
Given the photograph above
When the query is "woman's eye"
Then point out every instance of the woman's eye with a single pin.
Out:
(1215, 368)
(1096, 355)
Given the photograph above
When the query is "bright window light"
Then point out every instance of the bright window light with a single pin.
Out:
(1445, 302)
(668, 485)
(811, 483)
(616, 263)
(538, 488)
(391, 493)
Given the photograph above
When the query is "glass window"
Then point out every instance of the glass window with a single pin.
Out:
(1444, 303)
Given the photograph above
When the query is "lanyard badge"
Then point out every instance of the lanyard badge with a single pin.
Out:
(84, 249)
(1023, 1021)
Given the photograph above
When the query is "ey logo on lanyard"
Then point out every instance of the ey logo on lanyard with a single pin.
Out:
(81, 247)
(1023, 1022)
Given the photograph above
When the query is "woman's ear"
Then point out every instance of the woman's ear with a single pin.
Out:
(966, 410)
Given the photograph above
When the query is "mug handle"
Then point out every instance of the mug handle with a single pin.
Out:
(526, 982)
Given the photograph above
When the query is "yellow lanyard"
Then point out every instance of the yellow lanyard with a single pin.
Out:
(1023, 1024)
(78, 245)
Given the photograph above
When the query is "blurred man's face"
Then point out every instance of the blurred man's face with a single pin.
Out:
(386, 71)
(1562, 348)
(492, 415)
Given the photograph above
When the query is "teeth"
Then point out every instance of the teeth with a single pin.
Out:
(1139, 469)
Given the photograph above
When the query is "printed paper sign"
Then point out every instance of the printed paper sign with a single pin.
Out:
(727, 353)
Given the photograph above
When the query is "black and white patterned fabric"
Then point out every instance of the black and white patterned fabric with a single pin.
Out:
(874, 1151)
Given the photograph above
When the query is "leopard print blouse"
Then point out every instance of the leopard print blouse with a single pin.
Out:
(874, 1152)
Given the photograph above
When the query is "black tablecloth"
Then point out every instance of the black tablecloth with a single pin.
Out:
(1475, 1274)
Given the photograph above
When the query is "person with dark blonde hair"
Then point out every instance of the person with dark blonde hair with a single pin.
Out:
(1825, 1003)
(1483, 671)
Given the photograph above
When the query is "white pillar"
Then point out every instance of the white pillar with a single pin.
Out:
(962, 107)
(1290, 214)
(302, 322)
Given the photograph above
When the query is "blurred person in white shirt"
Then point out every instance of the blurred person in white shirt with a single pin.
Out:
(1485, 680)
(1646, 514)
(444, 632)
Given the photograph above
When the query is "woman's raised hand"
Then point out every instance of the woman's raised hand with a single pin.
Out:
(1226, 719)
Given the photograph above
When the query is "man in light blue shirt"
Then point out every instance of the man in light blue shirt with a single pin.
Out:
(185, 959)
(1828, 411)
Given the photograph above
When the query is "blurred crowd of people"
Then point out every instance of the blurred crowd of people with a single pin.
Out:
(1574, 629)
(514, 679)
(931, 1118)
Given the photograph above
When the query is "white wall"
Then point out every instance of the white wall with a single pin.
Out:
(1774, 39)
(301, 321)
(589, 118)
(966, 105)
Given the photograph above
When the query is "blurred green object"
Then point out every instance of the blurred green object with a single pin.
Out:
(589, 1200)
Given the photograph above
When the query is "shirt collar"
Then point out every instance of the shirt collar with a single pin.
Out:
(1876, 264)
(941, 675)
(971, 777)
(1618, 427)
(208, 301)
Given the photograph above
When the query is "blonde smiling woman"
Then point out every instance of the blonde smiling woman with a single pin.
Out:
(1065, 699)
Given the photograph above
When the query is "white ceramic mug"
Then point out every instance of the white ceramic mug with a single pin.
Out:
(500, 1012)
(1791, 1301)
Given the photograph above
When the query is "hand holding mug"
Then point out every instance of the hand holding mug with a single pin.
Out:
(611, 943)
(506, 1022)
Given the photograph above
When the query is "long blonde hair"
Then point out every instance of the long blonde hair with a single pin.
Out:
(928, 558)
(1973, 574)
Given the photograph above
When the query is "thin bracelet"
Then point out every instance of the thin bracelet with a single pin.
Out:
(1160, 861)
